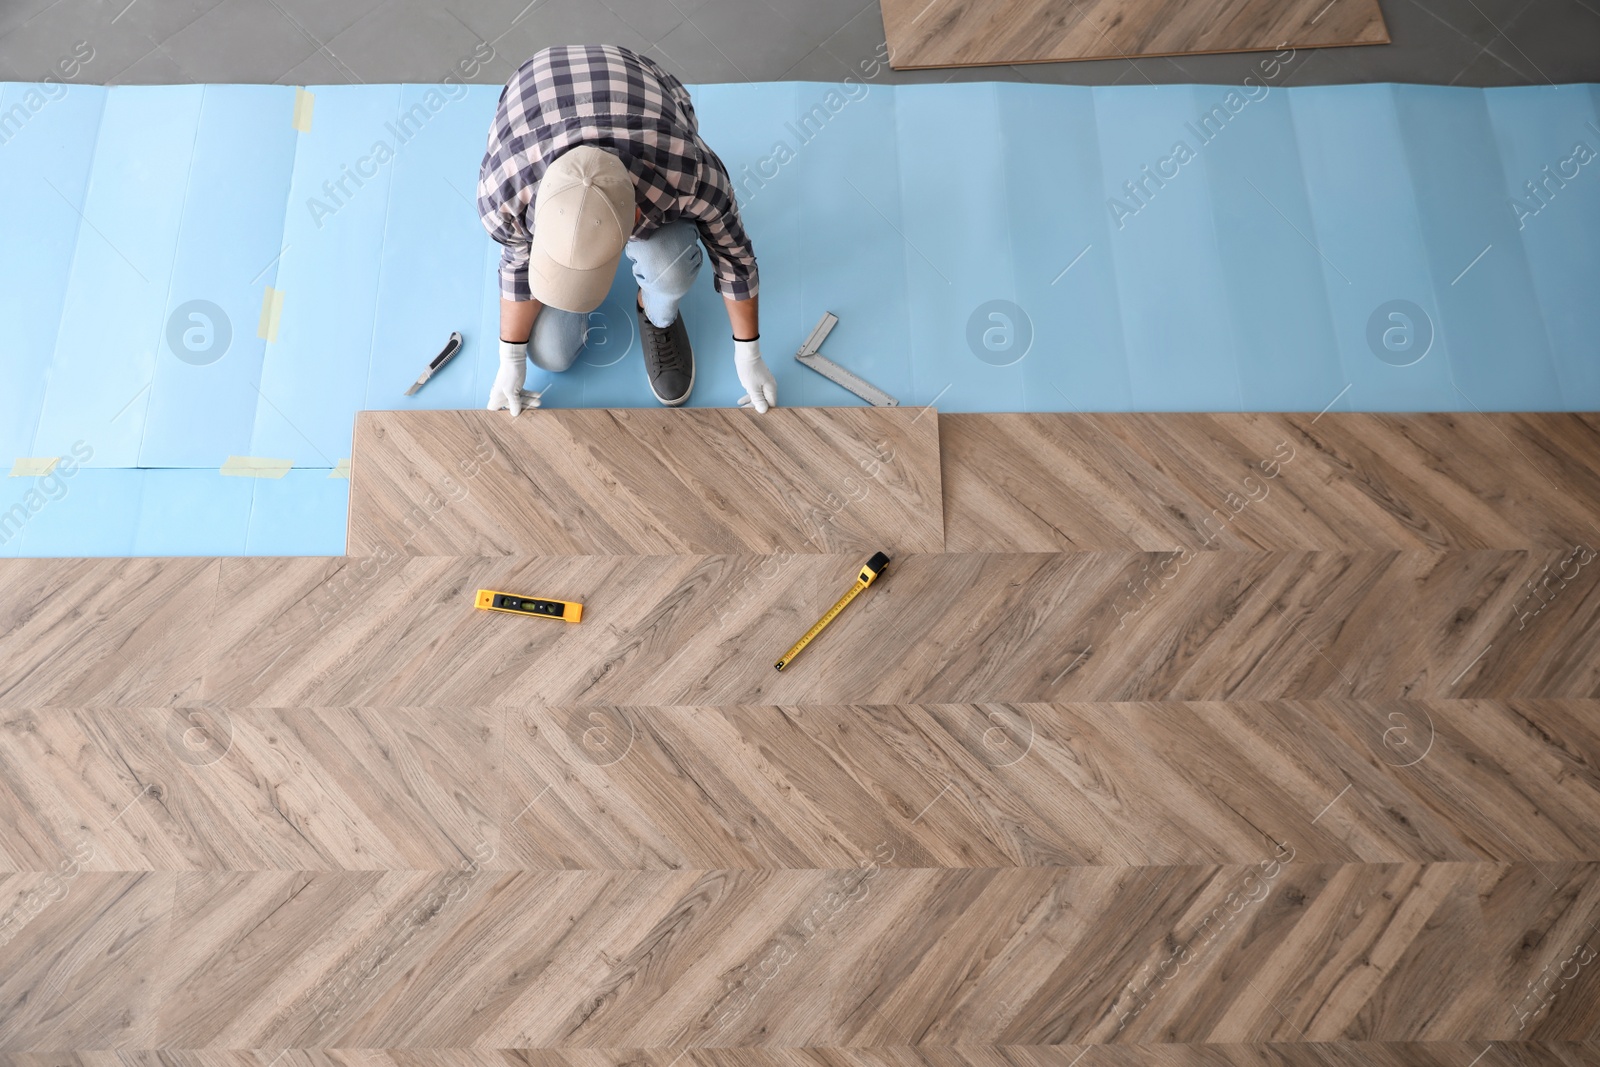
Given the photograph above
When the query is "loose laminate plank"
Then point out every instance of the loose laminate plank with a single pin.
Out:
(961, 33)
(703, 480)
(1053, 482)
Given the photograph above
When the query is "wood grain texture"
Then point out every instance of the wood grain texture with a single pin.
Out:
(1338, 481)
(209, 788)
(952, 786)
(964, 33)
(940, 628)
(1051, 785)
(110, 630)
(81, 958)
(868, 957)
(1090, 783)
(593, 482)
(705, 629)
(1265, 1054)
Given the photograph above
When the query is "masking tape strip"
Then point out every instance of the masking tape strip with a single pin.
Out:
(36, 467)
(271, 313)
(303, 102)
(256, 467)
(341, 469)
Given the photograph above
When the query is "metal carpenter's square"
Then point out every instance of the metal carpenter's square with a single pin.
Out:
(836, 374)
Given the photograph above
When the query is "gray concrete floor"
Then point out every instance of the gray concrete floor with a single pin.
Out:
(1448, 42)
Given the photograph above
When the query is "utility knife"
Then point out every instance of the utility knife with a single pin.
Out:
(451, 347)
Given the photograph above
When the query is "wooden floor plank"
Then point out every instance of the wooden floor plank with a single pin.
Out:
(1048, 785)
(1265, 1054)
(958, 33)
(595, 482)
(706, 629)
(1340, 481)
(113, 630)
(209, 788)
(870, 957)
(81, 957)
(992, 785)
(936, 629)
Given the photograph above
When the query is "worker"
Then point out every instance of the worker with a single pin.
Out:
(595, 152)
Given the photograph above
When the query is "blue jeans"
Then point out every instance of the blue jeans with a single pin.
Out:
(664, 265)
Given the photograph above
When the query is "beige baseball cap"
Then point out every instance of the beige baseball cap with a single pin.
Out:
(582, 215)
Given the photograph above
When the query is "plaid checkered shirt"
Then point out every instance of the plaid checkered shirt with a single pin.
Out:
(618, 100)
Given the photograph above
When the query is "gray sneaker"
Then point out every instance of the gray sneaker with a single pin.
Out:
(668, 359)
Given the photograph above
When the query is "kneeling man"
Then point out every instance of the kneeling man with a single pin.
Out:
(595, 153)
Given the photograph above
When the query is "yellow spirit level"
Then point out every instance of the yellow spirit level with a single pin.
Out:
(566, 610)
(874, 567)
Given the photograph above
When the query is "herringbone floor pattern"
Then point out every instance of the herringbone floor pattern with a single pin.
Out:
(1257, 740)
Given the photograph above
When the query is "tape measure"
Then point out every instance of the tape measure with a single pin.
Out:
(873, 568)
(566, 610)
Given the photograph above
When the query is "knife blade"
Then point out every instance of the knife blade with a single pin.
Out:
(451, 347)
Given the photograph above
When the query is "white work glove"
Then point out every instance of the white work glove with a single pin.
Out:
(507, 392)
(760, 387)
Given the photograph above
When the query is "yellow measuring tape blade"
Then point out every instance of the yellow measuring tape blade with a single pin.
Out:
(874, 567)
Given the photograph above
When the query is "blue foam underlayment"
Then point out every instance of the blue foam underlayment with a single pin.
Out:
(1250, 269)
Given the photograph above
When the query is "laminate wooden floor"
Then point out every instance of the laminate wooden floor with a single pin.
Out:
(586, 787)
(965, 33)
(1339, 481)
(1265, 1054)
(1279, 950)
(592, 482)
(1258, 740)
(935, 629)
